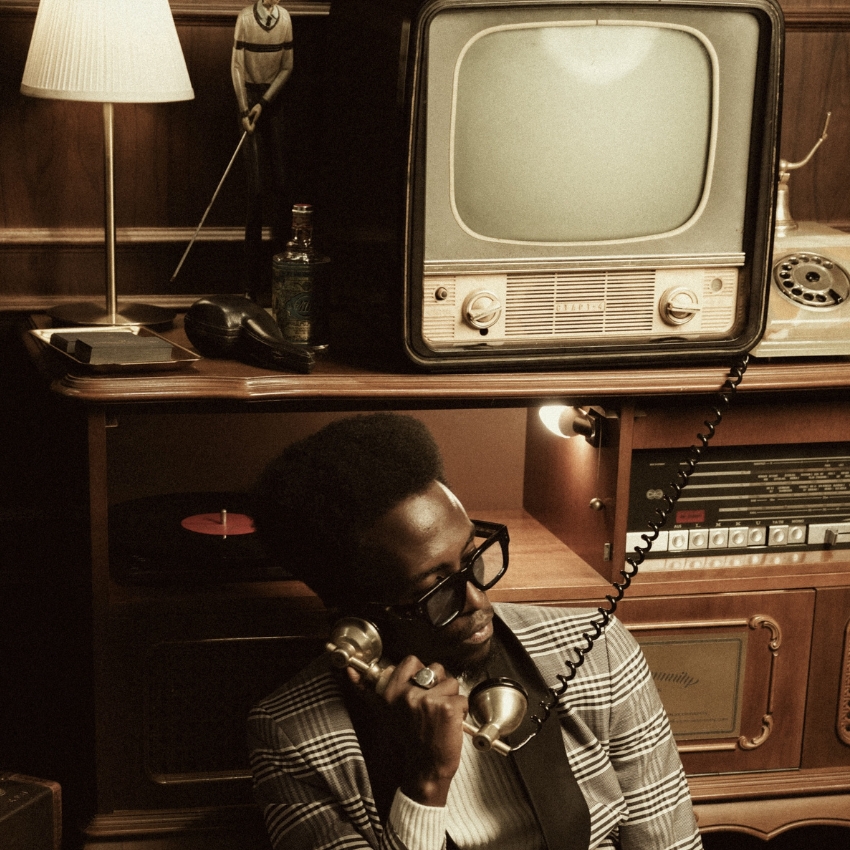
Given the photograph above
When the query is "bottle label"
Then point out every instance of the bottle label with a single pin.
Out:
(293, 302)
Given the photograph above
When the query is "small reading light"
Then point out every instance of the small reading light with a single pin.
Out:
(567, 422)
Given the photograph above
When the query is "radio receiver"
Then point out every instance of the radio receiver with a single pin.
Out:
(776, 504)
(809, 303)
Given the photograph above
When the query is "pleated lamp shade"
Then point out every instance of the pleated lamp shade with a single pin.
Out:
(106, 51)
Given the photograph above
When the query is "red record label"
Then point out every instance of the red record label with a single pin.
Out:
(223, 524)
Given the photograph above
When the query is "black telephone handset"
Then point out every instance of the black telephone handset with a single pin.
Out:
(234, 326)
(498, 706)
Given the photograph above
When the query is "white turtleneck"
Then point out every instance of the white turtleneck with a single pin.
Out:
(487, 808)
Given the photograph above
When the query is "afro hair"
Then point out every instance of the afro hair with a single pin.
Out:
(314, 502)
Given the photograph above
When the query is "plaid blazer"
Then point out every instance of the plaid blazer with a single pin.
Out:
(310, 776)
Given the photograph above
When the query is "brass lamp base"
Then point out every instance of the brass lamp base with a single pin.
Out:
(126, 314)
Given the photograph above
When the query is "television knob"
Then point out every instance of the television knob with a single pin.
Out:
(679, 305)
(482, 309)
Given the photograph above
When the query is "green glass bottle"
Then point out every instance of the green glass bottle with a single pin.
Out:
(299, 285)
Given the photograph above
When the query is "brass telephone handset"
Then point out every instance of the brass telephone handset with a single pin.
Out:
(784, 221)
(498, 706)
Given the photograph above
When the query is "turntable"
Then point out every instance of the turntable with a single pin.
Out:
(187, 538)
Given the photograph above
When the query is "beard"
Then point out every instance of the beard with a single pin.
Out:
(474, 668)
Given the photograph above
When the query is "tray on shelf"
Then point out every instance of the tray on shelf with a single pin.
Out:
(180, 357)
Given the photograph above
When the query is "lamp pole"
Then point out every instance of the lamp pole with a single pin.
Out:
(109, 201)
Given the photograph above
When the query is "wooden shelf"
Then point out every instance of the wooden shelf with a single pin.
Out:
(542, 569)
(333, 382)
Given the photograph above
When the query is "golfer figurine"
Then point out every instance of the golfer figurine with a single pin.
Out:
(260, 66)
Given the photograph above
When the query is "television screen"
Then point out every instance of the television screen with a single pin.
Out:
(557, 129)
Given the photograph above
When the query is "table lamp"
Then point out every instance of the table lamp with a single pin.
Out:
(107, 51)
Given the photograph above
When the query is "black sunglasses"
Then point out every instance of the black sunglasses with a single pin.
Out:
(484, 566)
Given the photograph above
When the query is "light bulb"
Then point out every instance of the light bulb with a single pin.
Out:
(550, 416)
(565, 421)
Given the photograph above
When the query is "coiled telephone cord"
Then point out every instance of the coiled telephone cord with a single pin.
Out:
(633, 562)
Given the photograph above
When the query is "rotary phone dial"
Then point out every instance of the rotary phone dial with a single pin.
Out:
(497, 706)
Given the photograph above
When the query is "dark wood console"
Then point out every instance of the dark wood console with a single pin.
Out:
(178, 664)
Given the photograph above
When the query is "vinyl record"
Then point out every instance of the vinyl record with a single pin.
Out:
(150, 542)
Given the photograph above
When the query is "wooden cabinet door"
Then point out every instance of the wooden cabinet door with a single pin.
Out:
(732, 671)
(180, 676)
(826, 741)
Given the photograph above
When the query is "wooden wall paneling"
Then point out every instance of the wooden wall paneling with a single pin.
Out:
(35, 277)
(817, 80)
(806, 14)
(169, 159)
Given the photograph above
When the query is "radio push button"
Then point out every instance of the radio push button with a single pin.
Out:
(777, 535)
(718, 538)
(698, 538)
(738, 536)
(797, 533)
(756, 536)
(677, 541)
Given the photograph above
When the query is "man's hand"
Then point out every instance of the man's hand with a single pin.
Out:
(432, 721)
(249, 121)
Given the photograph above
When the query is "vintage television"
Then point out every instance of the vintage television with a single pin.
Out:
(513, 184)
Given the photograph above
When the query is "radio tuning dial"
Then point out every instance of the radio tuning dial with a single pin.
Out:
(482, 309)
(679, 305)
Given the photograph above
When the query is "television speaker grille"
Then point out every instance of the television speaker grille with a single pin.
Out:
(564, 304)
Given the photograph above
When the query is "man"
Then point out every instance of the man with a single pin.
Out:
(362, 513)
(261, 63)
